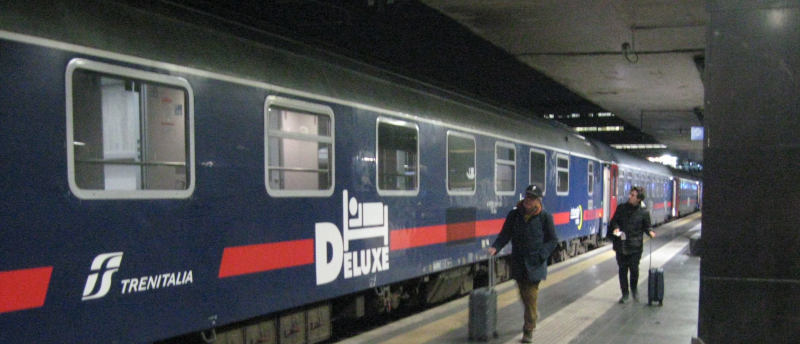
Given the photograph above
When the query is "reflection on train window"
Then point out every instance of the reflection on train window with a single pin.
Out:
(538, 169)
(590, 178)
(299, 148)
(562, 181)
(460, 163)
(398, 149)
(130, 133)
(505, 165)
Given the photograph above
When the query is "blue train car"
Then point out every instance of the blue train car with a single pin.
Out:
(177, 179)
(655, 179)
(688, 194)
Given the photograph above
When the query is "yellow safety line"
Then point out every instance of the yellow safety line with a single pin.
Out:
(440, 327)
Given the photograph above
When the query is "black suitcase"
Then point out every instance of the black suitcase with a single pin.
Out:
(655, 286)
(655, 282)
(483, 310)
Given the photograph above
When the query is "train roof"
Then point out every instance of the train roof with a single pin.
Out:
(200, 44)
(633, 162)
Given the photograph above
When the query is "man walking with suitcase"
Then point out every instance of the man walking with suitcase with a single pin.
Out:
(533, 238)
(628, 226)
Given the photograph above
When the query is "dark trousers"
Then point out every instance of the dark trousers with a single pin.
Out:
(626, 263)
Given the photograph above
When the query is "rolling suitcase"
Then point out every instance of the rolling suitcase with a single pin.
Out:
(655, 282)
(483, 310)
(655, 286)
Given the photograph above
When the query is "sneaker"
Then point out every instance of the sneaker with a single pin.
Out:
(527, 337)
(623, 299)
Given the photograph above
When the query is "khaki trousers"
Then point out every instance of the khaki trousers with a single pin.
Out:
(528, 293)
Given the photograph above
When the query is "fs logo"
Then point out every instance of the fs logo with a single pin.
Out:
(111, 261)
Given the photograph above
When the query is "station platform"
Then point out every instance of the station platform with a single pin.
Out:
(578, 303)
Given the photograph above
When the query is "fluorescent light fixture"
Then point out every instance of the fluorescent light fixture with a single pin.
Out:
(596, 129)
(665, 159)
(639, 146)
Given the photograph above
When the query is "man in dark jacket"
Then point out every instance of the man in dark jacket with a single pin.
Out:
(628, 226)
(533, 238)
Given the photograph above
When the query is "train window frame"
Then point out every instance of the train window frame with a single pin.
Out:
(590, 177)
(474, 167)
(559, 170)
(544, 171)
(512, 163)
(304, 107)
(398, 123)
(151, 80)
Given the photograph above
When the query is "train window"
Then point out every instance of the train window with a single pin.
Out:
(538, 169)
(505, 166)
(590, 179)
(129, 133)
(460, 163)
(398, 165)
(298, 148)
(562, 182)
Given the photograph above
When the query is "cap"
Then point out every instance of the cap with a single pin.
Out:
(533, 191)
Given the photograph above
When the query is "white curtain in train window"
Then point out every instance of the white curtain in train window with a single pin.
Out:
(120, 120)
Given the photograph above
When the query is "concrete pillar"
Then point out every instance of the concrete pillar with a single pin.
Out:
(750, 268)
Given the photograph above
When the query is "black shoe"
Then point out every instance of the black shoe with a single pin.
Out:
(623, 299)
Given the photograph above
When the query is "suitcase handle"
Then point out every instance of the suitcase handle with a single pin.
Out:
(650, 265)
(491, 271)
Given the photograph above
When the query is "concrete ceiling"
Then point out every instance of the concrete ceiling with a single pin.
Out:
(656, 86)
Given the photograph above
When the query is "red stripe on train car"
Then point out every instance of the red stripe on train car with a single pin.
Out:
(489, 227)
(401, 239)
(591, 214)
(660, 205)
(242, 260)
(561, 218)
(24, 289)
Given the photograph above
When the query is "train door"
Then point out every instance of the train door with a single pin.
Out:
(699, 196)
(609, 193)
(675, 200)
